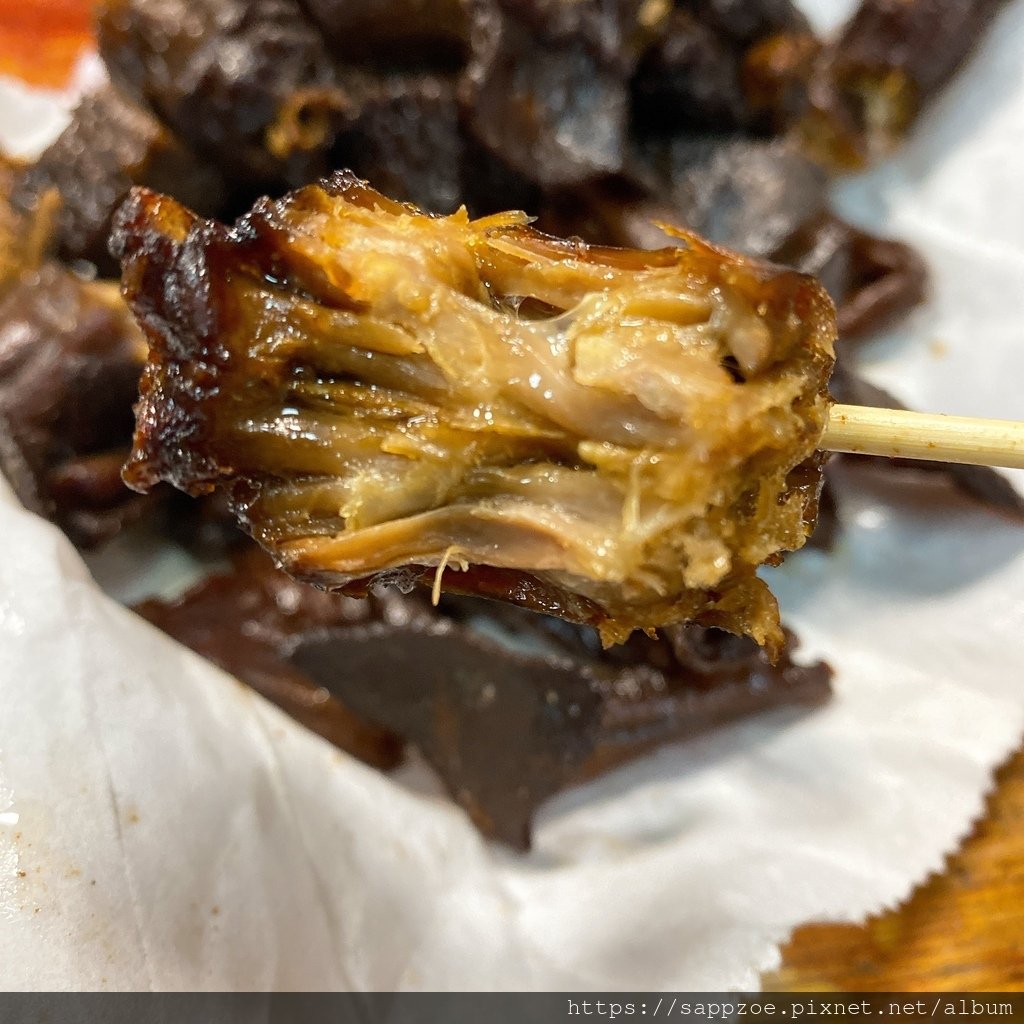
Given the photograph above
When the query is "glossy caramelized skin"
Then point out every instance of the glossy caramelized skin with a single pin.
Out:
(626, 434)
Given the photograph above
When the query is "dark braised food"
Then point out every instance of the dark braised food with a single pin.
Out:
(379, 389)
(70, 359)
(25, 234)
(544, 88)
(508, 707)
(718, 66)
(110, 145)
(421, 33)
(871, 84)
(874, 281)
(250, 620)
(404, 133)
(248, 84)
(622, 122)
(977, 482)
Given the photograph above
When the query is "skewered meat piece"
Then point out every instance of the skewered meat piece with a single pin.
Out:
(110, 145)
(507, 706)
(623, 436)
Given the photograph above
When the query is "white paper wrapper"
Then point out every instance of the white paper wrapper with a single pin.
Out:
(162, 827)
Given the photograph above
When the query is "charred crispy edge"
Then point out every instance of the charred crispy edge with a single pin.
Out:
(526, 590)
(490, 582)
(164, 249)
(171, 261)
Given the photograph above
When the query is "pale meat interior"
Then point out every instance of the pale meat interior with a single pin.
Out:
(394, 389)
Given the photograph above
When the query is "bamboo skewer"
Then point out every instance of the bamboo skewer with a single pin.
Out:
(897, 433)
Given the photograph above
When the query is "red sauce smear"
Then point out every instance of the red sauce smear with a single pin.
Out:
(40, 40)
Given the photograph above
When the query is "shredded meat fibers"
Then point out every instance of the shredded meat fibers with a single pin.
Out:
(621, 437)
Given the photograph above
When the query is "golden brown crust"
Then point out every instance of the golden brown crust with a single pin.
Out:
(628, 433)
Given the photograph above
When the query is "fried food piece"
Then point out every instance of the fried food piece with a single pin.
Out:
(507, 706)
(26, 235)
(892, 57)
(248, 621)
(545, 89)
(423, 33)
(406, 138)
(70, 359)
(633, 433)
(249, 84)
(110, 145)
(722, 67)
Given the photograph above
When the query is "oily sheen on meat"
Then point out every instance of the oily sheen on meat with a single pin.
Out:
(620, 437)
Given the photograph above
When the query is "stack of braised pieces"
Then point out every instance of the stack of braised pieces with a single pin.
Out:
(403, 425)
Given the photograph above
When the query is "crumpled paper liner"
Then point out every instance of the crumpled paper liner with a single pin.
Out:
(163, 827)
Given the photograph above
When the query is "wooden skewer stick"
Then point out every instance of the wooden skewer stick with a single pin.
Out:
(896, 433)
